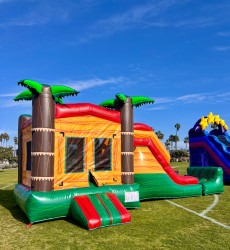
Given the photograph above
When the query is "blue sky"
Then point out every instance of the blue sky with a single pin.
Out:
(175, 51)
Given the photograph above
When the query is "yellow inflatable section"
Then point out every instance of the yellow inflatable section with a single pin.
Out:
(155, 140)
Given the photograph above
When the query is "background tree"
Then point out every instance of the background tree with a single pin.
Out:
(179, 154)
(167, 144)
(186, 140)
(177, 126)
(176, 139)
(1, 140)
(125, 105)
(15, 144)
(160, 135)
(171, 140)
(5, 138)
(6, 154)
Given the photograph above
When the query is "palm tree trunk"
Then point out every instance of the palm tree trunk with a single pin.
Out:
(127, 175)
(42, 153)
(22, 119)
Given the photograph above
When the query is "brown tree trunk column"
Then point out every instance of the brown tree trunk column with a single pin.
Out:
(22, 119)
(127, 174)
(42, 153)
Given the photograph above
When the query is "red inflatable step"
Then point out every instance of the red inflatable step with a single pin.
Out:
(99, 210)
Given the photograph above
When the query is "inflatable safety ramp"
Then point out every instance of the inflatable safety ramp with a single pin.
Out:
(99, 210)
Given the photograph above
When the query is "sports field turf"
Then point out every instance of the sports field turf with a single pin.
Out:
(191, 223)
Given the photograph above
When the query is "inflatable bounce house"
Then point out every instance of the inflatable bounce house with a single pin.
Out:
(210, 148)
(91, 162)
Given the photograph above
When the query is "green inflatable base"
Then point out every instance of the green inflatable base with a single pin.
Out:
(41, 206)
(211, 178)
(161, 186)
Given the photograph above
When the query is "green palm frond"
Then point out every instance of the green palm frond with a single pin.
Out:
(34, 87)
(108, 104)
(25, 95)
(58, 100)
(121, 97)
(141, 100)
(58, 92)
(62, 91)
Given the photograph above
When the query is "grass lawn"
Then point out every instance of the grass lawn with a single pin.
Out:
(158, 224)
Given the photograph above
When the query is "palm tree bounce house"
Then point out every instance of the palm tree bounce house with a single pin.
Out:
(92, 162)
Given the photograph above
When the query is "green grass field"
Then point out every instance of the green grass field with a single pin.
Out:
(157, 224)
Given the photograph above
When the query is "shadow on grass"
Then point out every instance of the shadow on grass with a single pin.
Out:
(71, 220)
(7, 201)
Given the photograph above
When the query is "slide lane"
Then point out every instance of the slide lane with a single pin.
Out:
(212, 153)
(144, 131)
(181, 180)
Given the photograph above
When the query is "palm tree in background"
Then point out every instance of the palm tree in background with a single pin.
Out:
(15, 140)
(5, 139)
(186, 140)
(43, 99)
(15, 143)
(171, 140)
(160, 135)
(177, 126)
(167, 144)
(176, 139)
(1, 139)
(125, 105)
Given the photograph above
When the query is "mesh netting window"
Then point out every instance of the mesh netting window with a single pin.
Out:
(102, 154)
(74, 155)
(28, 156)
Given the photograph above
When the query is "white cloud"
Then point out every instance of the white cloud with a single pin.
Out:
(156, 14)
(9, 95)
(41, 12)
(158, 108)
(200, 22)
(222, 48)
(12, 103)
(226, 33)
(5, 1)
(91, 83)
(192, 98)
(226, 94)
(138, 16)
(162, 100)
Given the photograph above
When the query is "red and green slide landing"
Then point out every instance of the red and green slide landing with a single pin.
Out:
(98, 210)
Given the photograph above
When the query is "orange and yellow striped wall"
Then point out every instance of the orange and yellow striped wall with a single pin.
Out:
(87, 127)
(151, 134)
(145, 162)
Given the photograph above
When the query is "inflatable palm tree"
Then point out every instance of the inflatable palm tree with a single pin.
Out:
(125, 105)
(43, 99)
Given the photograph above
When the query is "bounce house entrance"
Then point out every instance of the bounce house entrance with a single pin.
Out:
(80, 159)
(99, 210)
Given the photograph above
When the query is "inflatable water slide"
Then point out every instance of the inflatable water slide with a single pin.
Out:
(157, 179)
(210, 148)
